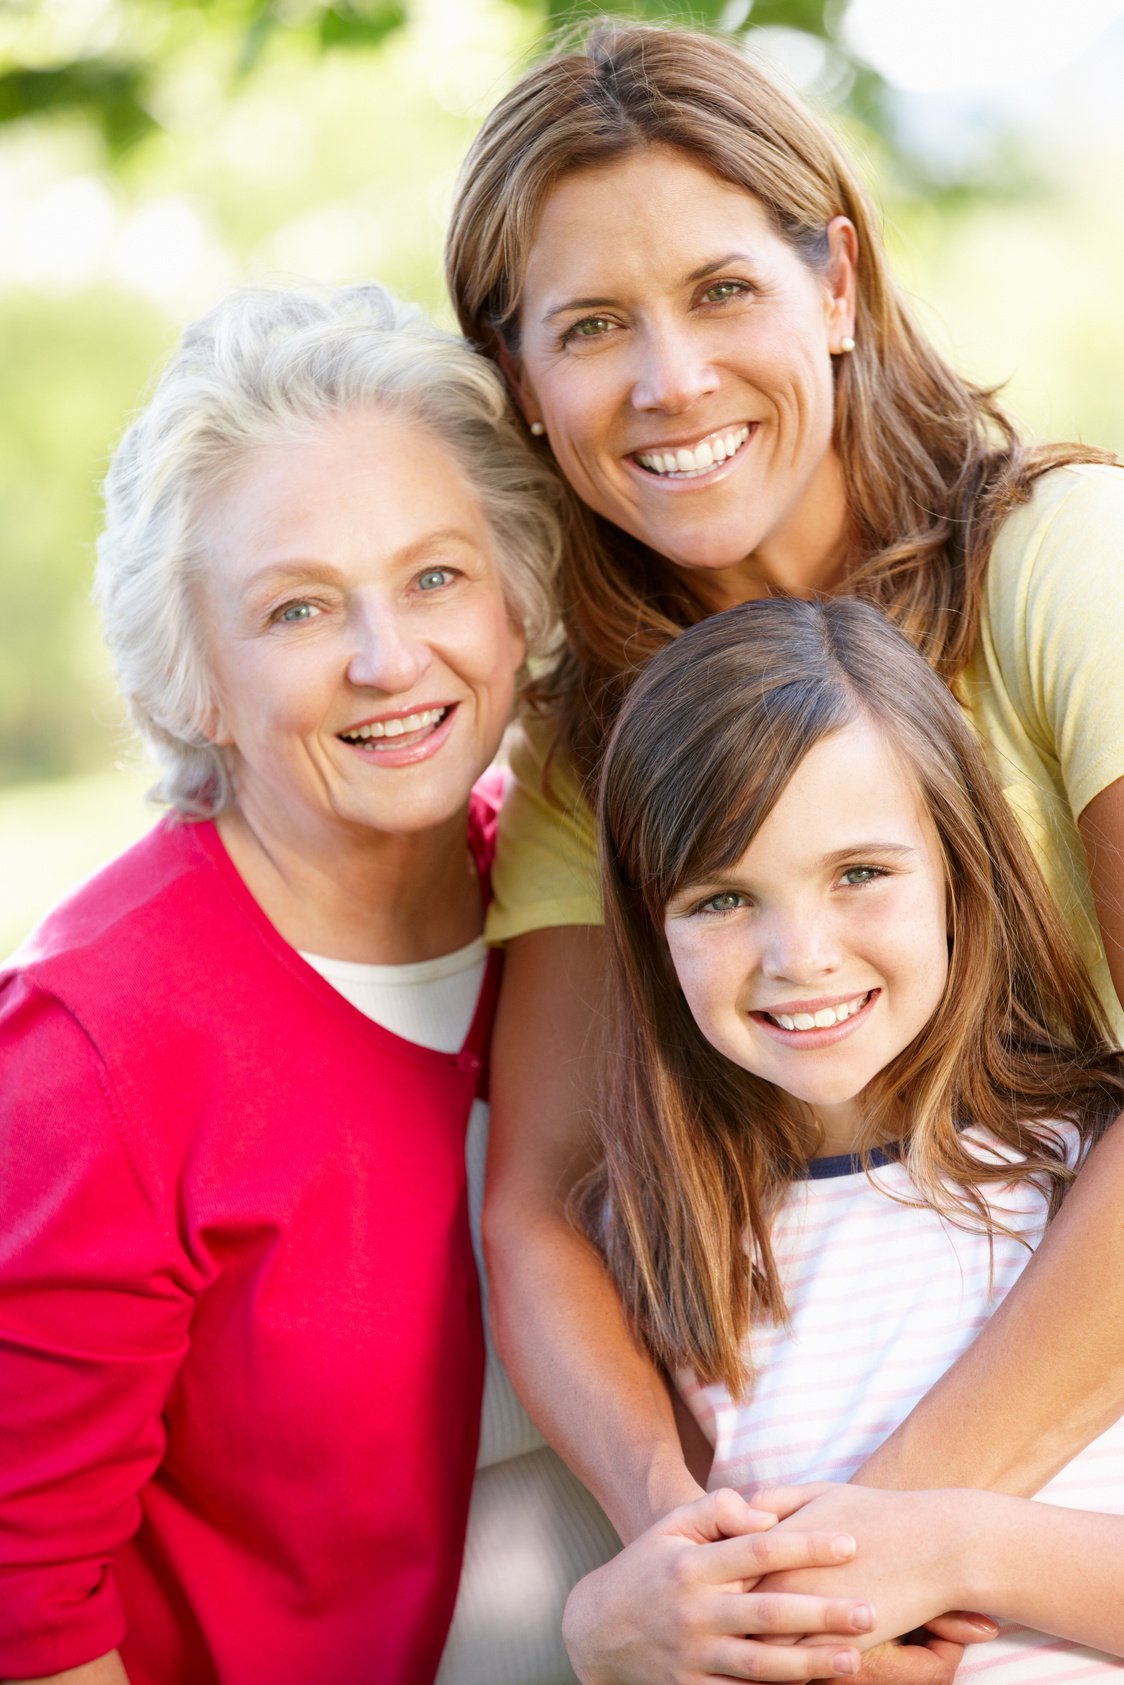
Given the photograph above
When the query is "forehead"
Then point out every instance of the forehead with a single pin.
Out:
(361, 477)
(853, 786)
(664, 198)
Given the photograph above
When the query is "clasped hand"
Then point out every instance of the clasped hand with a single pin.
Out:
(728, 1588)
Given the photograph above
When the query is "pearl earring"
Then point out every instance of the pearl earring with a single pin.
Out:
(538, 428)
(847, 344)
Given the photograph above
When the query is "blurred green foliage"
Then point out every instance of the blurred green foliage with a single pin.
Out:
(155, 152)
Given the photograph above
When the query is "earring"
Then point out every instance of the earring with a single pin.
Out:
(538, 428)
(847, 344)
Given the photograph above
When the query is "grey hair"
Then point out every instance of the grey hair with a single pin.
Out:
(260, 367)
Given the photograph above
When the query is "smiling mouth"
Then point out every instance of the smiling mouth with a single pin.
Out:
(687, 463)
(823, 1019)
(400, 733)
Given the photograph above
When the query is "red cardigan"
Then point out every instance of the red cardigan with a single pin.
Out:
(240, 1339)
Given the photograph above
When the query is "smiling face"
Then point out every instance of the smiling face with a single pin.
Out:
(362, 653)
(817, 958)
(678, 351)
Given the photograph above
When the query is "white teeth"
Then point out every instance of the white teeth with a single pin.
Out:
(823, 1019)
(395, 728)
(685, 462)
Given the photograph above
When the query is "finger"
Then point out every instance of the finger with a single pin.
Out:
(786, 1500)
(744, 1659)
(723, 1514)
(908, 1664)
(794, 1612)
(949, 1656)
(962, 1627)
(772, 1552)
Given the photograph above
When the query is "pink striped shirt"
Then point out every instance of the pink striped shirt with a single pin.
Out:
(883, 1298)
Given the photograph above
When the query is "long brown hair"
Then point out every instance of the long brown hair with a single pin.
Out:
(931, 462)
(697, 1151)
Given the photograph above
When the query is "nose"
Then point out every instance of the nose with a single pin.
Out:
(799, 945)
(388, 653)
(674, 370)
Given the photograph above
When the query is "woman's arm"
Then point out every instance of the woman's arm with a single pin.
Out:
(92, 1336)
(556, 1317)
(1056, 1570)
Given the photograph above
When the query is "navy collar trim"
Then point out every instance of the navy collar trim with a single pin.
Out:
(851, 1164)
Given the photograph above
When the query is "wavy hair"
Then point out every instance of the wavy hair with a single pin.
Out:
(931, 463)
(261, 367)
(697, 1151)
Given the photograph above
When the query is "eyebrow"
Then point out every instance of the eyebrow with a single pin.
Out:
(699, 274)
(299, 569)
(858, 851)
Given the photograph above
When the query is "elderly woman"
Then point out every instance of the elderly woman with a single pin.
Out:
(241, 1335)
(682, 280)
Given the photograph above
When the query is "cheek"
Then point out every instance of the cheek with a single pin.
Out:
(487, 650)
(706, 981)
(924, 956)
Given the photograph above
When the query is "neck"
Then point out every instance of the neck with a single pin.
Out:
(370, 898)
(808, 554)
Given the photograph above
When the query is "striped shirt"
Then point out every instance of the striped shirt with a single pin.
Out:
(883, 1297)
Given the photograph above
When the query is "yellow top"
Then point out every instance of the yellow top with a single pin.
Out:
(1045, 692)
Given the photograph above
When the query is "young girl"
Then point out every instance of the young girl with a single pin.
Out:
(857, 1062)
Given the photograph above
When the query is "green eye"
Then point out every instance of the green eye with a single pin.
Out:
(858, 875)
(433, 579)
(725, 902)
(722, 291)
(590, 327)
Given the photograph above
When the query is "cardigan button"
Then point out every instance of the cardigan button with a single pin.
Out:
(469, 1062)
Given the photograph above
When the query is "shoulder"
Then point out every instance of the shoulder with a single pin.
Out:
(1077, 509)
(546, 860)
(151, 894)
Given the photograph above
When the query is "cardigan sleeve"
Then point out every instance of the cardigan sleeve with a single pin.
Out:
(93, 1327)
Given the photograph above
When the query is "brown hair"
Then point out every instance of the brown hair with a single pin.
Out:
(931, 463)
(698, 1151)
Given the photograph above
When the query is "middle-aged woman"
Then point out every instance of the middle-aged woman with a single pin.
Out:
(240, 1335)
(682, 279)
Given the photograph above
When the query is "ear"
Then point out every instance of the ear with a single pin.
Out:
(213, 725)
(841, 280)
(522, 392)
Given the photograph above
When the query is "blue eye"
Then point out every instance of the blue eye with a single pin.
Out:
(433, 578)
(291, 614)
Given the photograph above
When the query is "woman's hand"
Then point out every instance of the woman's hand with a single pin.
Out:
(678, 1605)
(911, 1555)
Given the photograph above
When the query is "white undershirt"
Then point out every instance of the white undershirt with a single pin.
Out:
(533, 1530)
